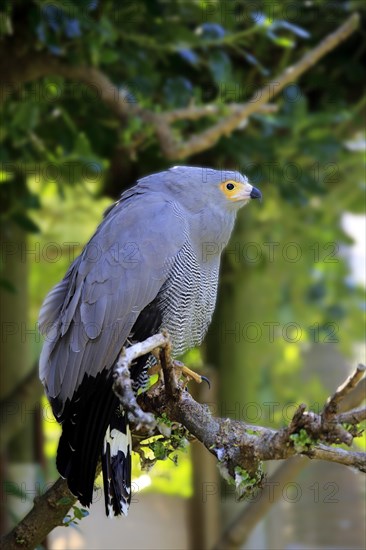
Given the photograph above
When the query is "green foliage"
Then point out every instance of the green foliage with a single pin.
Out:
(165, 477)
(158, 458)
(246, 484)
(163, 419)
(64, 501)
(62, 151)
(195, 51)
(73, 518)
(174, 438)
(357, 431)
(302, 441)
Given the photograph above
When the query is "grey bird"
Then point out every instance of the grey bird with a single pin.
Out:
(152, 264)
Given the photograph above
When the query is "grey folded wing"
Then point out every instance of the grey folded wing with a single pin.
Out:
(88, 316)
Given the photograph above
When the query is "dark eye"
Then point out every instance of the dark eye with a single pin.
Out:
(230, 186)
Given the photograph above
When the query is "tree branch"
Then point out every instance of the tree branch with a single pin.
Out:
(47, 513)
(25, 67)
(239, 447)
(234, 444)
(122, 386)
(226, 126)
(332, 405)
(354, 398)
(239, 530)
(195, 112)
(352, 417)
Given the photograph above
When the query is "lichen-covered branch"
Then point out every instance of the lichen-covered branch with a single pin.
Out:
(239, 447)
(122, 386)
(47, 513)
(236, 444)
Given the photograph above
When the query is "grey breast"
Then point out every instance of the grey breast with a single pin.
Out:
(187, 299)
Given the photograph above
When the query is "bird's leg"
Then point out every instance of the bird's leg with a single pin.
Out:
(190, 374)
(182, 371)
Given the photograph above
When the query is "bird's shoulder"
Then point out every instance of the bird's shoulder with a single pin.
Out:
(125, 260)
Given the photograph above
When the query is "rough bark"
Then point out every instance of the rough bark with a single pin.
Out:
(239, 447)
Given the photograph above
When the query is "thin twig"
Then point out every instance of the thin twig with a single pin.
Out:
(208, 138)
(195, 112)
(139, 349)
(352, 417)
(28, 67)
(331, 407)
(340, 456)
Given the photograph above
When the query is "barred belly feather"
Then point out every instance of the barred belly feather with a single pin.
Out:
(187, 299)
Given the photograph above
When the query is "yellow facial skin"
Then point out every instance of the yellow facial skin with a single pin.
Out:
(236, 191)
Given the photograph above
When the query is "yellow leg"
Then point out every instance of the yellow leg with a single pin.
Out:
(185, 371)
(191, 374)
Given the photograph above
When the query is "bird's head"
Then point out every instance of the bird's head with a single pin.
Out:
(201, 187)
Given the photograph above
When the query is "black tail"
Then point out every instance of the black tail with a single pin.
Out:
(93, 426)
(116, 465)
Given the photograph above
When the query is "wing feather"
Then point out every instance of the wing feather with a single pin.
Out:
(119, 272)
(52, 306)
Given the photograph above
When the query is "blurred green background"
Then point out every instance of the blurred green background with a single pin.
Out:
(289, 321)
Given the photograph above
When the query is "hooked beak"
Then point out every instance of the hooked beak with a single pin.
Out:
(255, 193)
(245, 193)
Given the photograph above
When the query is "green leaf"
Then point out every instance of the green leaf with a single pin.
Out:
(159, 450)
(220, 66)
(64, 501)
(26, 115)
(109, 56)
(25, 223)
(7, 285)
(77, 512)
(178, 91)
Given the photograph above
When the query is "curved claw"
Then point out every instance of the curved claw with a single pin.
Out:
(207, 381)
(190, 374)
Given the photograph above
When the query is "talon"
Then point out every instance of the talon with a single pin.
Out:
(207, 380)
(189, 373)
